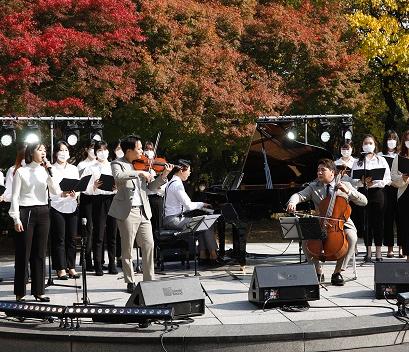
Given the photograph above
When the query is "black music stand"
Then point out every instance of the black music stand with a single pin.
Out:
(195, 225)
(296, 228)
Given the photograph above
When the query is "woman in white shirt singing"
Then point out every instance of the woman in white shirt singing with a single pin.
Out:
(177, 202)
(373, 189)
(30, 212)
(64, 218)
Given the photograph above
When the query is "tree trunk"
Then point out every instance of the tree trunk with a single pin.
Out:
(394, 110)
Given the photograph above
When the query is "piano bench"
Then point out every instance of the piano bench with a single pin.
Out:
(170, 246)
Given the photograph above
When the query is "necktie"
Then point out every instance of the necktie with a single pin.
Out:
(328, 190)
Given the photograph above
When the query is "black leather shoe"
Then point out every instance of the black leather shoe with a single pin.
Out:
(99, 272)
(42, 298)
(337, 279)
(119, 263)
(320, 277)
(130, 287)
(379, 259)
(367, 259)
(112, 270)
(20, 299)
(74, 276)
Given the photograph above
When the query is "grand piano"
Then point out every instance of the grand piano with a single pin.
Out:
(274, 168)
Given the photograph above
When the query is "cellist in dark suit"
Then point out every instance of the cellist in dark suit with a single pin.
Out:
(317, 191)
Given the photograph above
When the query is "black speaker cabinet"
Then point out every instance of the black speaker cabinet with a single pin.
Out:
(284, 284)
(185, 295)
(391, 278)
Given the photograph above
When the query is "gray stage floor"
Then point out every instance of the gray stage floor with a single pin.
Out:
(228, 286)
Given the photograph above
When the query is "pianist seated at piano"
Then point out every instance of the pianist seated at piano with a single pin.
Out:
(317, 191)
(177, 203)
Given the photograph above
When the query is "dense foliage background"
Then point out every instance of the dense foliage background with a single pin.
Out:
(202, 71)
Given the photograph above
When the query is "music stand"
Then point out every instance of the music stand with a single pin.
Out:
(295, 228)
(195, 225)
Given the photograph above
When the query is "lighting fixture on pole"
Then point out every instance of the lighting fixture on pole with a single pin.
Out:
(33, 133)
(325, 135)
(346, 129)
(96, 131)
(8, 135)
(292, 132)
(72, 133)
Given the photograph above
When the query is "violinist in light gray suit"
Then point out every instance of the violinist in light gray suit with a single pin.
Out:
(317, 191)
(131, 208)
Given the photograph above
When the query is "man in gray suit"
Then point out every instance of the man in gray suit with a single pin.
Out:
(317, 191)
(131, 208)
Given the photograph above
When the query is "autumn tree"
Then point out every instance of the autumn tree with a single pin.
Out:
(383, 30)
(67, 57)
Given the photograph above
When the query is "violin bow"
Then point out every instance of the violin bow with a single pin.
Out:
(155, 148)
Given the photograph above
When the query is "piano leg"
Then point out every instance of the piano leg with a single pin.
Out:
(239, 242)
(221, 234)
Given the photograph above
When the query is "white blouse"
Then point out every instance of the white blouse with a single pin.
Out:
(30, 188)
(95, 171)
(397, 179)
(68, 204)
(376, 162)
(349, 163)
(176, 199)
(82, 165)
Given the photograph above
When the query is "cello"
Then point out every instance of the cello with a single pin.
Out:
(334, 212)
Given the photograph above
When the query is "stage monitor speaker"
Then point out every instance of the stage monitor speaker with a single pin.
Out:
(185, 295)
(391, 278)
(275, 285)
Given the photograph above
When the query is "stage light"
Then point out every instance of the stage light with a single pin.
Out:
(325, 136)
(346, 128)
(8, 135)
(31, 310)
(112, 314)
(33, 135)
(72, 134)
(96, 131)
(291, 135)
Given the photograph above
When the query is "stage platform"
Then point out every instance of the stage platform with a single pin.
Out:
(230, 323)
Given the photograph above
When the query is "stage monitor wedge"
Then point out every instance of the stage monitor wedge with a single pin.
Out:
(185, 295)
(275, 285)
(391, 278)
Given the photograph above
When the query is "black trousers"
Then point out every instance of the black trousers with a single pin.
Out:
(101, 222)
(64, 228)
(391, 216)
(85, 211)
(403, 221)
(31, 247)
(375, 213)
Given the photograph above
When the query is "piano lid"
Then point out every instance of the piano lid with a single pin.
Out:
(290, 162)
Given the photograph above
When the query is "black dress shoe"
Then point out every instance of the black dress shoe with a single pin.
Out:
(401, 256)
(130, 287)
(20, 299)
(337, 279)
(119, 263)
(112, 270)
(367, 259)
(379, 259)
(320, 277)
(99, 272)
(42, 298)
(74, 276)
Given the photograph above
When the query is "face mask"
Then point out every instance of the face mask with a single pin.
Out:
(202, 187)
(346, 153)
(63, 156)
(150, 154)
(407, 144)
(391, 143)
(119, 153)
(368, 148)
(91, 154)
(102, 155)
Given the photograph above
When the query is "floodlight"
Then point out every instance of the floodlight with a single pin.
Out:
(96, 131)
(8, 135)
(72, 134)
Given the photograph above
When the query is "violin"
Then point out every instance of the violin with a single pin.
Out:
(146, 164)
(334, 212)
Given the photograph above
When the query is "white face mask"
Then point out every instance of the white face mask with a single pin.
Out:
(150, 154)
(63, 155)
(102, 155)
(346, 153)
(91, 154)
(368, 148)
(391, 143)
(407, 144)
(119, 153)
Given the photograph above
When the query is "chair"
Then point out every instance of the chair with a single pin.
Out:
(169, 244)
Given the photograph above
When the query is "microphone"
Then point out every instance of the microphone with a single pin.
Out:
(50, 172)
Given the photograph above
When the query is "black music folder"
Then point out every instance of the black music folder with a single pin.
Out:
(108, 182)
(72, 184)
(376, 174)
(344, 167)
(2, 189)
(403, 165)
(389, 160)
